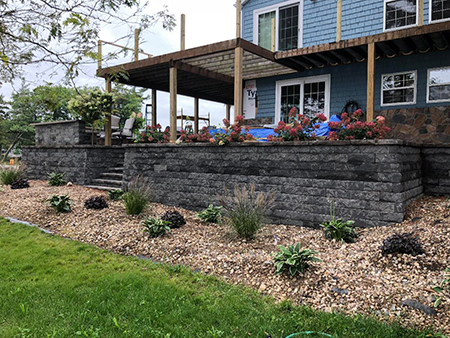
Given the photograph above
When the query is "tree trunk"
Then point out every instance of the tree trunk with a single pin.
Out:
(17, 139)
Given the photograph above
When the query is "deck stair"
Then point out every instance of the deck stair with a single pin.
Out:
(110, 180)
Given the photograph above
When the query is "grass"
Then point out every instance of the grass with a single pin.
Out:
(53, 287)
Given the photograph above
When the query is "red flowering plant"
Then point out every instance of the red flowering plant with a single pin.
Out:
(233, 132)
(351, 128)
(188, 136)
(299, 128)
(154, 134)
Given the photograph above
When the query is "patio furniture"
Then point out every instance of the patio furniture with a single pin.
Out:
(115, 120)
(127, 130)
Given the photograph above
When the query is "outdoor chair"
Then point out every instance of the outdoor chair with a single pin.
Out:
(127, 130)
(115, 120)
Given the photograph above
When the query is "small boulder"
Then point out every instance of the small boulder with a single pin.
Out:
(419, 306)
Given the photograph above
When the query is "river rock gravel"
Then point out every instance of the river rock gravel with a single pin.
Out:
(369, 282)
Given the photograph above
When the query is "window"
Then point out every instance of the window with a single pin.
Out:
(287, 17)
(398, 88)
(400, 13)
(310, 96)
(438, 85)
(440, 10)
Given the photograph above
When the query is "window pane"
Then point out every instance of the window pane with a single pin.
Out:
(440, 76)
(440, 10)
(314, 102)
(265, 30)
(288, 28)
(439, 93)
(400, 13)
(395, 88)
(290, 97)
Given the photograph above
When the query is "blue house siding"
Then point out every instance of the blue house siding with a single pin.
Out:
(359, 18)
(349, 82)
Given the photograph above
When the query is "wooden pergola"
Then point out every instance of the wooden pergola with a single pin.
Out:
(216, 72)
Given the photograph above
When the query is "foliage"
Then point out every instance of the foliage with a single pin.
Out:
(246, 209)
(115, 195)
(10, 174)
(404, 243)
(67, 283)
(444, 287)
(155, 227)
(300, 127)
(138, 195)
(96, 202)
(351, 128)
(293, 259)
(60, 203)
(175, 219)
(139, 121)
(21, 183)
(65, 33)
(154, 134)
(188, 136)
(128, 100)
(211, 214)
(56, 179)
(232, 133)
(338, 229)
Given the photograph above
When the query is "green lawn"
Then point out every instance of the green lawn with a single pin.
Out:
(52, 287)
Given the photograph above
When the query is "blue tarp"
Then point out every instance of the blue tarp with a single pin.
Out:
(261, 133)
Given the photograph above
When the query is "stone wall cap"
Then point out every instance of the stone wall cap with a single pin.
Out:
(54, 122)
(74, 146)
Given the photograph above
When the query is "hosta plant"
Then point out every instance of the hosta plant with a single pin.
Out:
(174, 219)
(155, 227)
(404, 243)
(56, 179)
(60, 203)
(211, 214)
(293, 259)
(338, 229)
(115, 195)
(96, 202)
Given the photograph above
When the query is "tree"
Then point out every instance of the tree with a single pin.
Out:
(129, 100)
(4, 116)
(65, 32)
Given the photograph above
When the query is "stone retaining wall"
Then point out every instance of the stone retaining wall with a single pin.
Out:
(61, 133)
(371, 182)
(81, 164)
(436, 170)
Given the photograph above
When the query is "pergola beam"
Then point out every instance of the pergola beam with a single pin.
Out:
(202, 72)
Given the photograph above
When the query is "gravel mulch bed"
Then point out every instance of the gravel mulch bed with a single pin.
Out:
(353, 278)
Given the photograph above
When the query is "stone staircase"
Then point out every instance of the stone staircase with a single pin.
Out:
(111, 180)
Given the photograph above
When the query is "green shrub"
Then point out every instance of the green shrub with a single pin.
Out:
(138, 195)
(155, 227)
(211, 214)
(60, 203)
(442, 288)
(246, 209)
(56, 179)
(11, 174)
(338, 229)
(115, 195)
(293, 259)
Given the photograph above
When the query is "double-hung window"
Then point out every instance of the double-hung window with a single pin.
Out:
(311, 96)
(398, 88)
(438, 85)
(400, 14)
(440, 10)
(287, 20)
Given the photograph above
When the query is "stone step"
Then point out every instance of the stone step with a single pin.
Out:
(100, 187)
(116, 169)
(109, 183)
(116, 176)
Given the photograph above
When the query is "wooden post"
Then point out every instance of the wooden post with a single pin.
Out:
(370, 81)
(183, 32)
(154, 107)
(99, 61)
(108, 132)
(173, 104)
(136, 44)
(238, 90)
(339, 21)
(228, 112)
(273, 36)
(196, 110)
(238, 19)
(420, 12)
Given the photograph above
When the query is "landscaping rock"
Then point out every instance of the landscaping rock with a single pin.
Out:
(419, 306)
(342, 292)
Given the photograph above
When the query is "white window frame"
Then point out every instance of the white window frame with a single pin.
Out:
(276, 9)
(399, 103)
(403, 27)
(302, 82)
(430, 13)
(428, 85)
